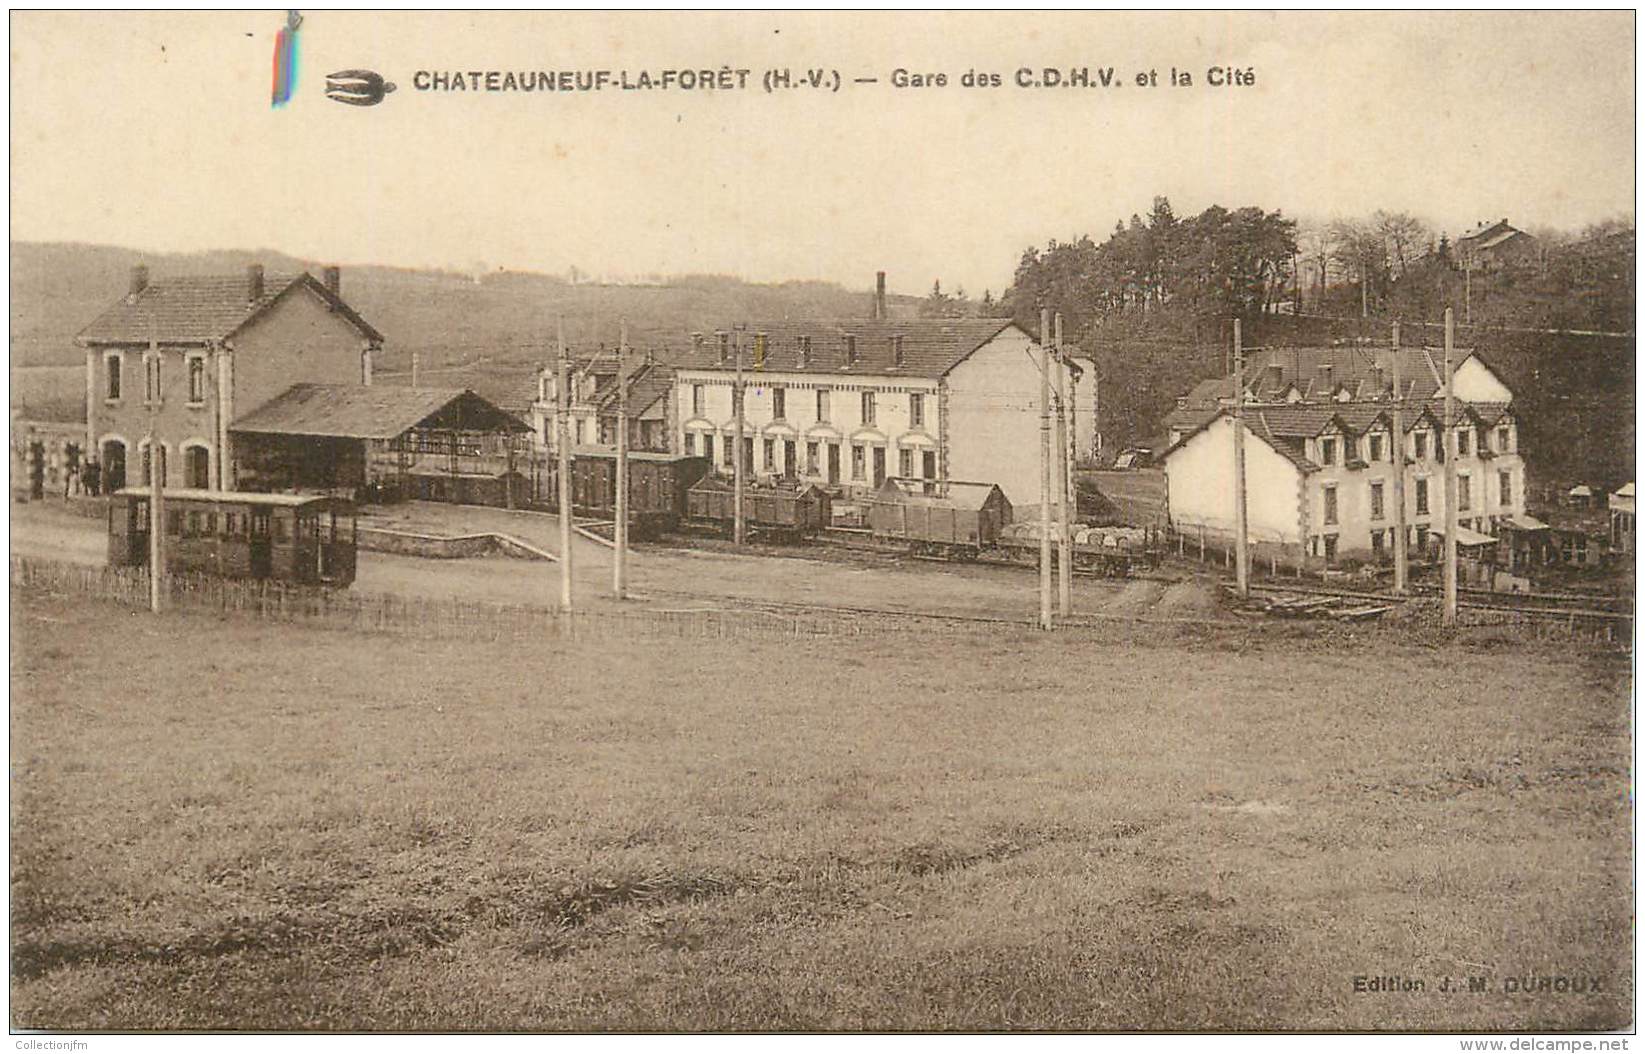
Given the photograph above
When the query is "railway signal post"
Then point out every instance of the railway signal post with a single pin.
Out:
(562, 451)
(1045, 468)
(1242, 554)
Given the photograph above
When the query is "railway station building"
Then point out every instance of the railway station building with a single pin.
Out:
(183, 358)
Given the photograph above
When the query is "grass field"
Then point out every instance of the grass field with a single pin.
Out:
(224, 823)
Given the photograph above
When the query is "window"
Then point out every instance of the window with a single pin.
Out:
(822, 404)
(1465, 488)
(1330, 505)
(1376, 541)
(905, 462)
(1327, 451)
(1505, 485)
(691, 444)
(859, 461)
(1375, 442)
(811, 459)
(729, 451)
(211, 524)
(1420, 439)
(111, 369)
(779, 403)
(1502, 439)
(196, 379)
(696, 400)
(1422, 538)
(231, 524)
(916, 410)
(1376, 500)
(151, 378)
(850, 349)
(1330, 547)
(1422, 497)
(1462, 442)
(748, 453)
(577, 428)
(770, 455)
(708, 448)
(174, 524)
(867, 408)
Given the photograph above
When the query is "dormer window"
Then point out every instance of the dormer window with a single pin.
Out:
(725, 346)
(805, 351)
(896, 350)
(759, 351)
(1328, 451)
(850, 350)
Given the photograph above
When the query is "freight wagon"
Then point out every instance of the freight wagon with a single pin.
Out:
(303, 538)
(954, 520)
(779, 510)
(657, 486)
(1113, 551)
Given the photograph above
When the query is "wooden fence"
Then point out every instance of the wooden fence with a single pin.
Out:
(425, 616)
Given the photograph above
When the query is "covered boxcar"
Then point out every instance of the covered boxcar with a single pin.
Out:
(956, 520)
(657, 485)
(304, 538)
(782, 510)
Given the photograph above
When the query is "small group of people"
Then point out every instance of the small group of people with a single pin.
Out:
(79, 476)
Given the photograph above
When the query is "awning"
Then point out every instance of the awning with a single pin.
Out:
(1465, 536)
(1524, 523)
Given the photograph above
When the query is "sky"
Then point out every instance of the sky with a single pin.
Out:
(155, 132)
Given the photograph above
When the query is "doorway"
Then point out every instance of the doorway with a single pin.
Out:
(833, 463)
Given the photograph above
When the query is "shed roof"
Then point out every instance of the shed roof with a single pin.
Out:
(931, 347)
(194, 309)
(956, 492)
(357, 411)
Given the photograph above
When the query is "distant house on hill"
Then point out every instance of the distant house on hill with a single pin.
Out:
(1496, 244)
(186, 357)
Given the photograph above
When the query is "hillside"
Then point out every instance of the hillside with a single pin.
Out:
(503, 317)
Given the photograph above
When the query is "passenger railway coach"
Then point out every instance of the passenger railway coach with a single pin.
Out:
(303, 538)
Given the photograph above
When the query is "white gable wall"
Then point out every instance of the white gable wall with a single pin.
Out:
(1474, 382)
(1200, 483)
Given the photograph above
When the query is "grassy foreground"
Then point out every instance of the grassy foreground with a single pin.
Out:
(235, 824)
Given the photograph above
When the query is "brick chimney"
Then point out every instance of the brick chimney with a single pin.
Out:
(254, 283)
(139, 278)
(879, 296)
(333, 279)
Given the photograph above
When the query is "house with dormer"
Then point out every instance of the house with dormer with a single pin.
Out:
(847, 404)
(1322, 456)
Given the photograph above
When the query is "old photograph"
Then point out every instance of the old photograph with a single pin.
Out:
(827, 522)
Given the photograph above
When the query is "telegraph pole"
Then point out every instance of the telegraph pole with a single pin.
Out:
(739, 529)
(157, 475)
(1401, 570)
(562, 444)
(1065, 561)
(1045, 468)
(619, 563)
(1242, 557)
(1450, 486)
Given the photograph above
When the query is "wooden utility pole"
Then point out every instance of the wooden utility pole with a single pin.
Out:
(1065, 556)
(1450, 441)
(619, 563)
(1242, 556)
(1397, 455)
(739, 530)
(562, 453)
(157, 475)
(1045, 468)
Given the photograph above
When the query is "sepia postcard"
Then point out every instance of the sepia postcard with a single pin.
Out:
(822, 522)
